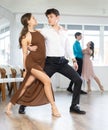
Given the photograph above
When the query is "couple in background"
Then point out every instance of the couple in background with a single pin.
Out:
(85, 67)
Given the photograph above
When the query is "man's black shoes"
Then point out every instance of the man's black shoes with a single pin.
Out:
(22, 109)
(83, 92)
(69, 90)
(76, 109)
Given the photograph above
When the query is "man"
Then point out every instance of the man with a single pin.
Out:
(79, 57)
(57, 45)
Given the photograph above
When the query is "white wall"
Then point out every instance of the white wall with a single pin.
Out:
(58, 80)
(9, 18)
(16, 28)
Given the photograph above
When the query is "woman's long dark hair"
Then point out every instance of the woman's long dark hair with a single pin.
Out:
(24, 20)
(92, 48)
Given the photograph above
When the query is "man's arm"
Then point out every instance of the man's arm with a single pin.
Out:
(32, 48)
(75, 64)
(70, 54)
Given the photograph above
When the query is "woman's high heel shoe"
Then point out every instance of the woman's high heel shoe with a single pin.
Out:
(101, 89)
(8, 109)
(55, 112)
(89, 91)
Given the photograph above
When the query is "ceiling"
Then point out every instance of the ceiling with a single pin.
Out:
(68, 7)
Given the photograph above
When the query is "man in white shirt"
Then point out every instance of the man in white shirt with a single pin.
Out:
(57, 47)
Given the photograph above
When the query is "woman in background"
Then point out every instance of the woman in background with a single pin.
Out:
(36, 88)
(87, 69)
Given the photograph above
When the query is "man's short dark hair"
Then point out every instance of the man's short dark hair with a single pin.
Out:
(77, 34)
(52, 11)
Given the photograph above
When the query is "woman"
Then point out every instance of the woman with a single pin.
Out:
(87, 70)
(36, 88)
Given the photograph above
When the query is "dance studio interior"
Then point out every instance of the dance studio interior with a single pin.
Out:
(90, 18)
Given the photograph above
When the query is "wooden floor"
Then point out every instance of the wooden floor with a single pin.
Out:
(40, 118)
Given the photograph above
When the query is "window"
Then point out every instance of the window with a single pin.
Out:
(4, 45)
(72, 29)
(106, 45)
(92, 33)
(39, 26)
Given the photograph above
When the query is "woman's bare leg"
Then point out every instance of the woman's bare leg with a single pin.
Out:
(47, 87)
(8, 108)
(99, 84)
(29, 81)
(89, 86)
